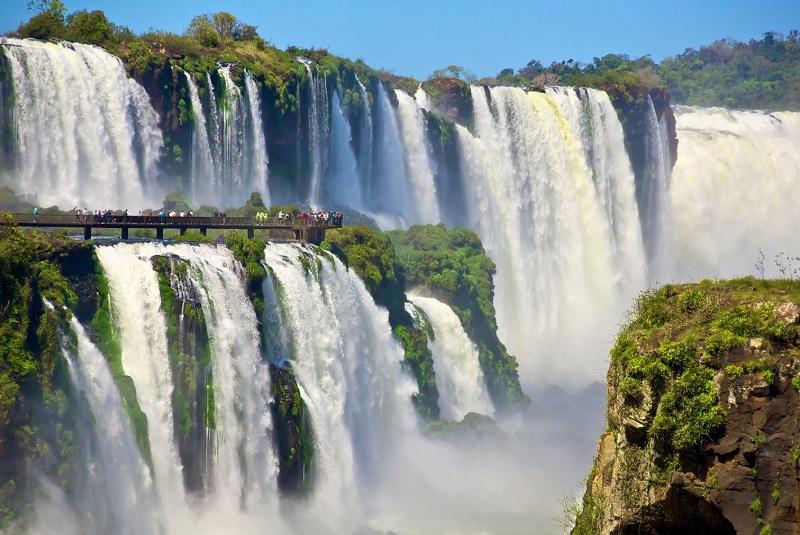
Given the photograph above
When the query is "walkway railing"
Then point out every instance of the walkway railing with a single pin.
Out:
(304, 229)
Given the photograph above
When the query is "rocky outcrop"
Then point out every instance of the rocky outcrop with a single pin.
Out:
(714, 455)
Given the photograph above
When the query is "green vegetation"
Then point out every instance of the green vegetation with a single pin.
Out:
(762, 74)
(39, 409)
(294, 440)
(104, 334)
(453, 266)
(676, 340)
(372, 256)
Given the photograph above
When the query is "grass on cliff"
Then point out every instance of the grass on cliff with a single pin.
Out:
(679, 337)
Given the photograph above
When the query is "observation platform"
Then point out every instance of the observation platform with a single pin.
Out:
(297, 229)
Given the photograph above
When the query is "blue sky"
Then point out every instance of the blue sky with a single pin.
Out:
(415, 37)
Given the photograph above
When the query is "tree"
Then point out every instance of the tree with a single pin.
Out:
(55, 8)
(224, 23)
(202, 28)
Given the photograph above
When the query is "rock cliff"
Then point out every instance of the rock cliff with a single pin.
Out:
(703, 434)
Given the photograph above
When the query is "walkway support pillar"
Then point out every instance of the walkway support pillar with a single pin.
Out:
(251, 233)
(160, 233)
(203, 231)
(124, 233)
(87, 233)
(183, 231)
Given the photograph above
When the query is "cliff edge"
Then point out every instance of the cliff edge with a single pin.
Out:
(702, 428)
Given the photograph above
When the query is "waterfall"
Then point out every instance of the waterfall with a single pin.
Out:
(423, 99)
(257, 154)
(365, 152)
(126, 480)
(318, 130)
(202, 162)
(654, 203)
(231, 150)
(347, 364)
(390, 200)
(732, 192)
(136, 302)
(343, 183)
(62, 159)
(533, 197)
(459, 378)
(418, 160)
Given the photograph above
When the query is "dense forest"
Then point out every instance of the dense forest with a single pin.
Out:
(759, 74)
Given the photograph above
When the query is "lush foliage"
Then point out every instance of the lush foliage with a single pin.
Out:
(372, 256)
(453, 266)
(664, 362)
(763, 74)
(39, 412)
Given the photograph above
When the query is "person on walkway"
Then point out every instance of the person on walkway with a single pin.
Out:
(35, 212)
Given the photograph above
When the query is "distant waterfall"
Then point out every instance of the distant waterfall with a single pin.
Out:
(733, 191)
(62, 159)
(423, 99)
(539, 198)
(654, 201)
(365, 144)
(348, 367)
(257, 143)
(318, 130)
(418, 160)
(343, 183)
(459, 378)
(124, 477)
(390, 195)
(203, 171)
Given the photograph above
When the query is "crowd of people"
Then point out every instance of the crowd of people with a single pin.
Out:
(316, 219)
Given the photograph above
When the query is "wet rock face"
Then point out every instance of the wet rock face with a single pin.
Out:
(742, 478)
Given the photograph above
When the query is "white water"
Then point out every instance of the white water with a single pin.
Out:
(318, 131)
(423, 99)
(62, 161)
(343, 183)
(257, 142)
(654, 203)
(231, 150)
(202, 162)
(459, 377)
(560, 226)
(389, 190)
(347, 364)
(418, 160)
(124, 476)
(733, 191)
(365, 144)
(136, 304)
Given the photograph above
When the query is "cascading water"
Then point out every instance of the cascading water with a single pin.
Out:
(732, 192)
(591, 114)
(257, 154)
(231, 149)
(59, 160)
(342, 181)
(654, 203)
(418, 160)
(390, 200)
(318, 130)
(347, 364)
(143, 340)
(365, 143)
(533, 199)
(202, 162)
(423, 99)
(459, 378)
(125, 478)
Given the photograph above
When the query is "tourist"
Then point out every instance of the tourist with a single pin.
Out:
(35, 212)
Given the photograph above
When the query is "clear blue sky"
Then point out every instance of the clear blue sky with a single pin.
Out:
(414, 37)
